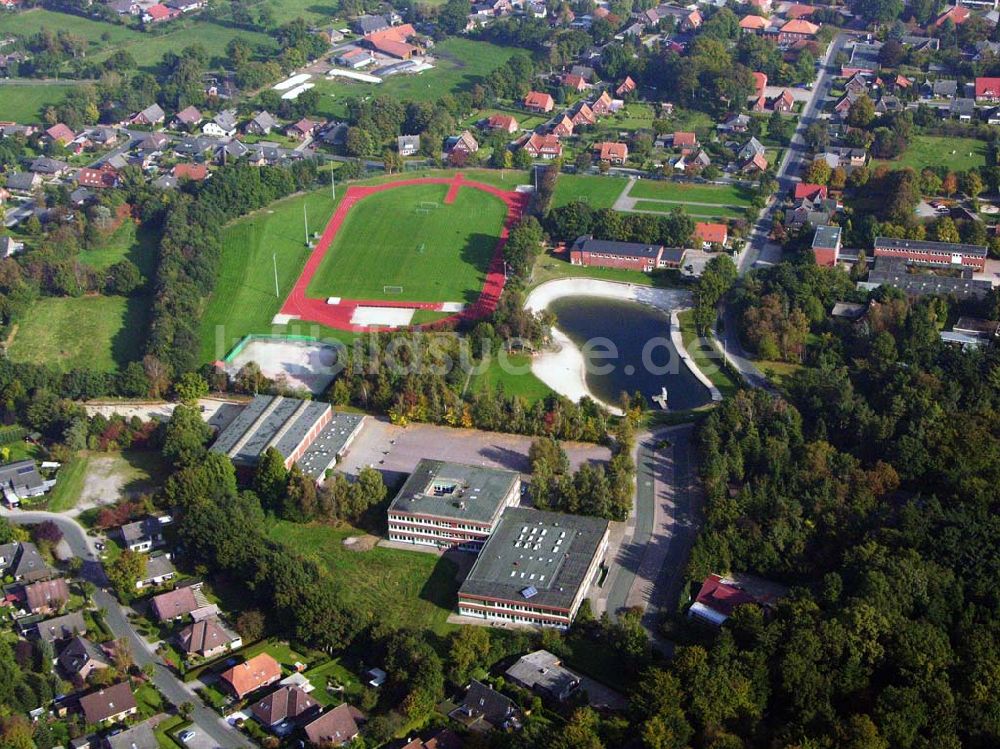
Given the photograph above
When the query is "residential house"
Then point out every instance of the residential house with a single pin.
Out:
(152, 143)
(48, 167)
(109, 705)
(103, 136)
(684, 140)
(408, 145)
(139, 736)
(845, 102)
(603, 104)
(301, 130)
(502, 122)
(365, 25)
(751, 148)
(582, 115)
(223, 125)
(738, 123)
(536, 101)
(151, 115)
(864, 59)
(759, 83)
(46, 596)
(355, 58)
(957, 14)
(159, 569)
(261, 123)
(464, 144)
(21, 559)
(543, 672)
(691, 22)
(282, 705)
(945, 88)
(253, 674)
(185, 6)
(755, 164)
(232, 151)
(159, 13)
(826, 245)
(206, 639)
(888, 104)
(543, 146)
(573, 82)
(125, 7)
(987, 90)
(23, 182)
(62, 627)
(79, 658)
(753, 24)
(100, 177)
(797, 30)
(141, 535)
(187, 118)
(335, 727)
(61, 134)
(484, 707)
(962, 109)
(613, 153)
(719, 597)
(809, 191)
(445, 739)
(193, 172)
(396, 41)
(626, 87)
(783, 103)
(563, 127)
(710, 234)
(173, 604)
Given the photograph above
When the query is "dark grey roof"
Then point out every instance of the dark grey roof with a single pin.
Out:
(547, 551)
(368, 24)
(61, 627)
(157, 566)
(264, 120)
(139, 736)
(45, 165)
(865, 56)
(330, 443)
(78, 652)
(484, 702)
(587, 243)
(152, 113)
(826, 237)
(674, 255)
(972, 250)
(140, 530)
(166, 182)
(900, 274)
(454, 490)
(20, 475)
(543, 671)
(23, 181)
(945, 87)
(29, 565)
(963, 106)
(195, 145)
(226, 119)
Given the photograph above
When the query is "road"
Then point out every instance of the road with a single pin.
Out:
(648, 565)
(207, 722)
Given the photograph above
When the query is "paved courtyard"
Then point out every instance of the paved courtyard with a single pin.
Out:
(396, 450)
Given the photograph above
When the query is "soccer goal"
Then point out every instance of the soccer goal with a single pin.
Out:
(430, 205)
(422, 211)
(420, 248)
(392, 289)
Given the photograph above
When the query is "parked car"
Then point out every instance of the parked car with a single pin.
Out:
(186, 736)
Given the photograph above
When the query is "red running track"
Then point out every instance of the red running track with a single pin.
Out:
(338, 316)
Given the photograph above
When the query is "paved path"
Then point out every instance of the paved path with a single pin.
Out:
(177, 692)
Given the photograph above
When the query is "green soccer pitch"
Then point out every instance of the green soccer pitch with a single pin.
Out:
(405, 244)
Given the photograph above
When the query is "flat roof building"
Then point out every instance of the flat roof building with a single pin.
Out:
(826, 245)
(543, 672)
(451, 504)
(917, 280)
(535, 568)
(941, 253)
(309, 433)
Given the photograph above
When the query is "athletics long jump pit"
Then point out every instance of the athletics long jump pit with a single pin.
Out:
(402, 249)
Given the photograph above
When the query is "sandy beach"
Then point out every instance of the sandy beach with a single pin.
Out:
(564, 370)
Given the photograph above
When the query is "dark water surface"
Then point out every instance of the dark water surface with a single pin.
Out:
(631, 328)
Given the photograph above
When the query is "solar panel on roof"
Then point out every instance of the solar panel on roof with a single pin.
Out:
(530, 592)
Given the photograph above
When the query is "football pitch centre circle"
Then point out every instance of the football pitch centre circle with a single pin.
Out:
(388, 251)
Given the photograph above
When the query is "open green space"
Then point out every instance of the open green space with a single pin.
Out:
(516, 378)
(244, 300)
(90, 332)
(69, 485)
(460, 64)
(26, 102)
(687, 192)
(407, 588)
(406, 243)
(147, 48)
(706, 356)
(342, 683)
(598, 192)
(127, 243)
(958, 154)
(697, 211)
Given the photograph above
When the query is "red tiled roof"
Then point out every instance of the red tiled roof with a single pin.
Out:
(46, 594)
(174, 603)
(753, 23)
(61, 133)
(800, 11)
(255, 673)
(158, 12)
(685, 139)
(108, 702)
(538, 100)
(502, 122)
(610, 151)
(721, 597)
(539, 144)
(989, 87)
(799, 26)
(627, 86)
(760, 82)
(196, 172)
(574, 81)
(336, 726)
(808, 190)
(957, 14)
(712, 233)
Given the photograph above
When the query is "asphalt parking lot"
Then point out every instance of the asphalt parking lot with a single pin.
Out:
(396, 450)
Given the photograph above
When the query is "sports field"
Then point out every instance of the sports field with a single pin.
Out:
(700, 193)
(244, 300)
(147, 48)
(90, 332)
(958, 154)
(460, 64)
(406, 244)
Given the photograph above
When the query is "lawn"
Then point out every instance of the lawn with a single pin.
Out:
(244, 300)
(147, 48)
(335, 674)
(90, 332)
(407, 588)
(436, 254)
(933, 150)
(69, 485)
(598, 192)
(521, 382)
(698, 211)
(127, 243)
(704, 358)
(687, 193)
(549, 267)
(461, 63)
(26, 102)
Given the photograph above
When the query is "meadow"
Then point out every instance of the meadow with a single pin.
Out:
(691, 193)
(26, 102)
(695, 211)
(598, 192)
(460, 64)
(934, 150)
(90, 332)
(432, 254)
(407, 588)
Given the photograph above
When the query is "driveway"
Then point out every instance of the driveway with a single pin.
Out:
(206, 722)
